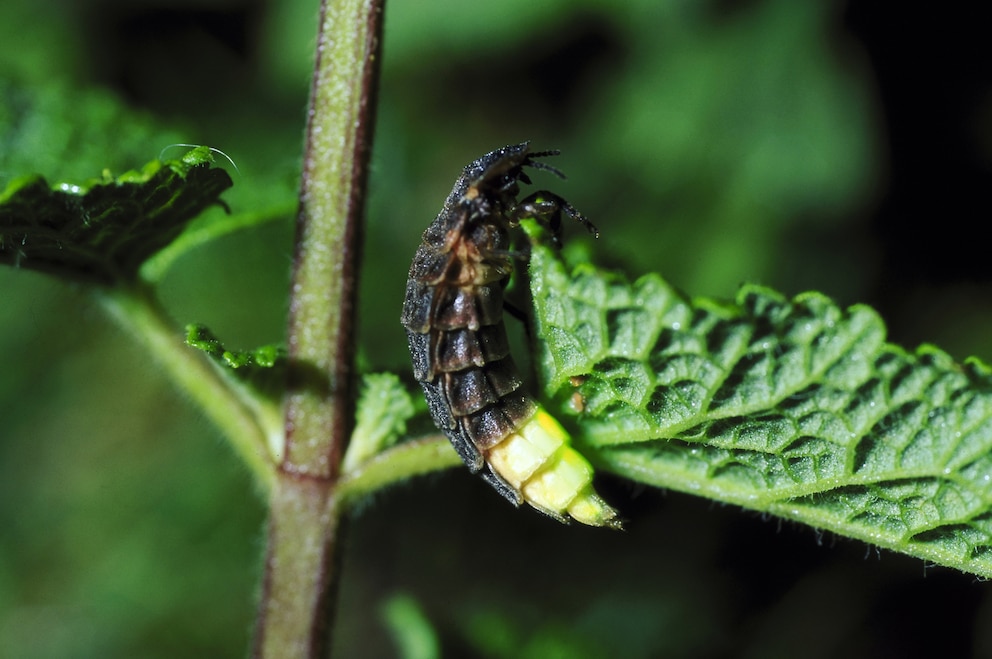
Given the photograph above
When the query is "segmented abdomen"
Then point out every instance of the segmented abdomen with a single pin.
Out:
(461, 357)
(453, 314)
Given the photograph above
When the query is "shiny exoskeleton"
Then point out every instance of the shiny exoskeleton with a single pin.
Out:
(453, 314)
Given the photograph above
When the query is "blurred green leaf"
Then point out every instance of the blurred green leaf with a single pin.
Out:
(69, 132)
(410, 628)
(104, 229)
(499, 633)
(741, 125)
(794, 407)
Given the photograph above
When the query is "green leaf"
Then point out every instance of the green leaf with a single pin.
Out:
(50, 125)
(793, 407)
(384, 407)
(104, 229)
(410, 628)
(264, 367)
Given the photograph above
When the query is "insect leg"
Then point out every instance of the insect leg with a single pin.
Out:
(515, 311)
(524, 319)
(548, 207)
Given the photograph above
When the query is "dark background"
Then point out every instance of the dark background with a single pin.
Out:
(842, 147)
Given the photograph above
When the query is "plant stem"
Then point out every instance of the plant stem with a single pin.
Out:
(240, 415)
(294, 614)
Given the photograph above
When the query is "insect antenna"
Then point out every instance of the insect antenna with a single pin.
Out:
(543, 166)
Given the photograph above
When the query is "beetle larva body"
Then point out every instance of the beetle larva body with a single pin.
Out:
(453, 314)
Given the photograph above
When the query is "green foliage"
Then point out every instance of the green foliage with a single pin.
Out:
(794, 407)
(264, 366)
(265, 357)
(749, 124)
(410, 628)
(69, 132)
(104, 229)
(384, 407)
(683, 108)
(497, 634)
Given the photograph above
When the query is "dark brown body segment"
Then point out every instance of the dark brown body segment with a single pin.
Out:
(453, 312)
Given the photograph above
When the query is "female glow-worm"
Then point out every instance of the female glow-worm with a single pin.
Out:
(453, 315)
